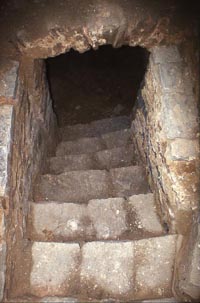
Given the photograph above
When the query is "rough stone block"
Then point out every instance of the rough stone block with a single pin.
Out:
(179, 116)
(115, 157)
(2, 267)
(184, 149)
(129, 181)
(143, 216)
(107, 270)
(95, 128)
(171, 76)
(5, 138)
(101, 219)
(154, 262)
(60, 222)
(128, 270)
(8, 78)
(55, 269)
(67, 163)
(166, 54)
(2, 224)
(117, 138)
(80, 146)
(108, 217)
(94, 144)
(3, 170)
(82, 186)
(5, 124)
(105, 159)
(74, 186)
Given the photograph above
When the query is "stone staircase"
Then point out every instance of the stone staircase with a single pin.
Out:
(93, 229)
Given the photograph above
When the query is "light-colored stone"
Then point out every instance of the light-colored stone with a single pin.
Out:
(108, 217)
(54, 270)
(107, 270)
(2, 268)
(60, 221)
(129, 180)
(8, 78)
(179, 116)
(166, 54)
(128, 270)
(154, 259)
(146, 218)
(184, 149)
(5, 139)
(112, 218)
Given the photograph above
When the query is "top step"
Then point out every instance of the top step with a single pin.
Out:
(95, 128)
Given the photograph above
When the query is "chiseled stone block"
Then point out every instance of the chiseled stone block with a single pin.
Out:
(5, 138)
(166, 54)
(54, 269)
(107, 270)
(2, 267)
(179, 116)
(134, 270)
(154, 259)
(100, 219)
(8, 78)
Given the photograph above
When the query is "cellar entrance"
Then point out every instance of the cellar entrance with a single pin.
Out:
(96, 84)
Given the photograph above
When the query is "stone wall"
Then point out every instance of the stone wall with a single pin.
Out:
(167, 137)
(8, 84)
(166, 128)
(26, 101)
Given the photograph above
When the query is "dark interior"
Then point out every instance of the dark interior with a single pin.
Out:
(96, 84)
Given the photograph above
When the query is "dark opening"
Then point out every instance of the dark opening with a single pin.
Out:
(96, 84)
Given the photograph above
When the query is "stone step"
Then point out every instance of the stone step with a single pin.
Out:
(74, 300)
(125, 271)
(107, 219)
(94, 144)
(82, 186)
(95, 128)
(105, 159)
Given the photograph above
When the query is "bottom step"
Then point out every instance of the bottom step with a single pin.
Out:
(125, 271)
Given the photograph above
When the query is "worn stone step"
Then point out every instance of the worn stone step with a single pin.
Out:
(74, 300)
(107, 219)
(125, 271)
(105, 159)
(82, 186)
(95, 128)
(94, 144)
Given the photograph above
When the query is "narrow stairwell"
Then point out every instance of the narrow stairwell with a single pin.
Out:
(93, 228)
